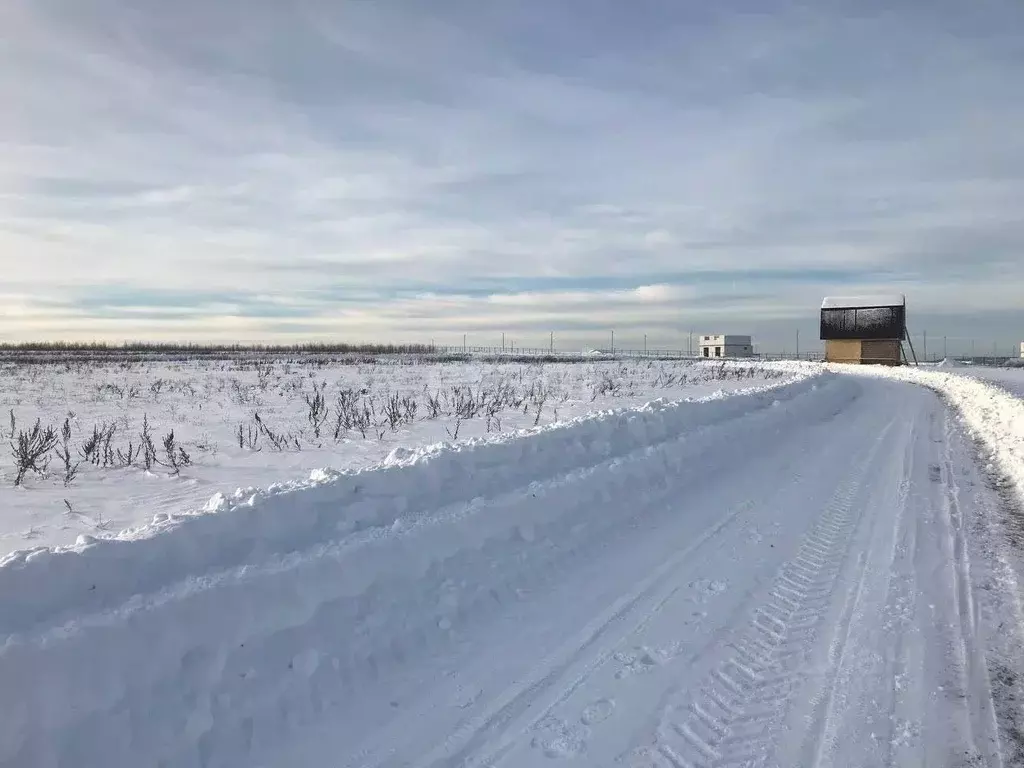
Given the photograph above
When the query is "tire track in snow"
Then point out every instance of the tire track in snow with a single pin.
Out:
(551, 733)
(488, 738)
(912, 642)
(518, 699)
(830, 715)
(905, 666)
(729, 720)
(982, 721)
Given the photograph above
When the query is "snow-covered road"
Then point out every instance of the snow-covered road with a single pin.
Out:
(811, 608)
(805, 579)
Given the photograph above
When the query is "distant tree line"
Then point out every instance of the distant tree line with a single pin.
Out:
(191, 347)
(63, 351)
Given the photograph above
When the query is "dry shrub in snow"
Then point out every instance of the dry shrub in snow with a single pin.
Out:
(302, 405)
(31, 451)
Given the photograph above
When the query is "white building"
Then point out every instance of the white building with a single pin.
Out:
(725, 346)
(1022, 349)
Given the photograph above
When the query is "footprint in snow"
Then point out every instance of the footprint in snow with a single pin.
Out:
(640, 660)
(644, 757)
(556, 738)
(707, 589)
(905, 733)
(598, 712)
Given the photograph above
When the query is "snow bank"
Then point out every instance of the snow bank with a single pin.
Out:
(205, 640)
(51, 584)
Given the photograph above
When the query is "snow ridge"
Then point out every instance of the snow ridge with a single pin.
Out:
(48, 586)
(863, 302)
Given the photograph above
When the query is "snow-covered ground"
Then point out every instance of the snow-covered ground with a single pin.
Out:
(988, 399)
(815, 572)
(1010, 378)
(393, 403)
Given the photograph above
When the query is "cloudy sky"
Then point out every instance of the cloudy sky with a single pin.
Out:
(315, 169)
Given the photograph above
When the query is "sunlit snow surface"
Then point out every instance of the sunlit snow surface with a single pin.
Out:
(805, 569)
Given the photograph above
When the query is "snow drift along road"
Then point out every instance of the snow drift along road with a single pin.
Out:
(781, 577)
(41, 585)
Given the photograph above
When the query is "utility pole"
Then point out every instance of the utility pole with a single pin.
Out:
(503, 341)
(613, 343)
(463, 343)
(645, 343)
(924, 347)
(944, 353)
(797, 343)
(689, 344)
(552, 342)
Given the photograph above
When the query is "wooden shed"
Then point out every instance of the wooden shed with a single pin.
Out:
(866, 330)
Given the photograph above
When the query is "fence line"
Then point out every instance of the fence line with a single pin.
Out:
(437, 353)
(598, 353)
(682, 354)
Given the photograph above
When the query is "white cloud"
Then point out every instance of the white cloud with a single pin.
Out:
(664, 293)
(659, 237)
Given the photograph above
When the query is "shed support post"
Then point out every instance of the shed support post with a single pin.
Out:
(910, 341)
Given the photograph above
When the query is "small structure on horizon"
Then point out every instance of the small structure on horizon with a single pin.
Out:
(1022, 350)
(726, 345)
(866, 330)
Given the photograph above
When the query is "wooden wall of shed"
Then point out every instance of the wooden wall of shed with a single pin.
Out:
(863, 352)
(843, 351)
(880, 352)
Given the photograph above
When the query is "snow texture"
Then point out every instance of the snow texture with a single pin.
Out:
(991, 402)
(805, 574)
(1010, 379)
(863, 302)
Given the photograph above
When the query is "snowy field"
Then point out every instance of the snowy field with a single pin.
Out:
(785, 565)
(247, 424)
